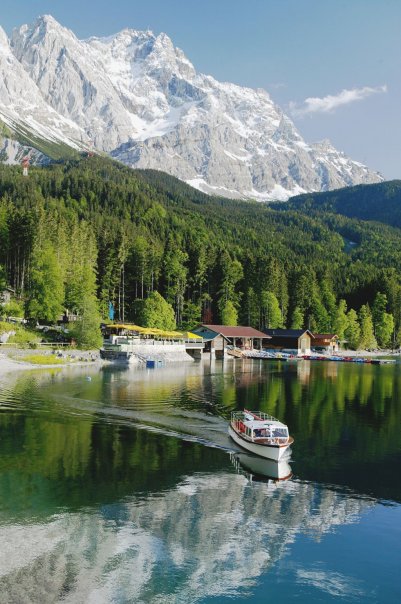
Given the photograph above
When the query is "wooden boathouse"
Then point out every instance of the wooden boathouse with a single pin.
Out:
(296, 341)
(218, 338)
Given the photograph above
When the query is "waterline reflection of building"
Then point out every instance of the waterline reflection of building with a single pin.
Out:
(199, 531)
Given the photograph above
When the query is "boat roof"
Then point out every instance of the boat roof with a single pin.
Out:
(264, 423)
(253, 421)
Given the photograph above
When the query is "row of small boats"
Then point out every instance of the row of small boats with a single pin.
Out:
(370, 360)
(269, 356)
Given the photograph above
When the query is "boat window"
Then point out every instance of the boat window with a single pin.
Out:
(280, 433)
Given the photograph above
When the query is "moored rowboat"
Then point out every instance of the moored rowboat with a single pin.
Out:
(260, 434)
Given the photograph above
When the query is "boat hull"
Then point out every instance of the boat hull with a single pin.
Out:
(262, 468)
(274, 452)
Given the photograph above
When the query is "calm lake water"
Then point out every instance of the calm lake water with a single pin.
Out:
(126, 488)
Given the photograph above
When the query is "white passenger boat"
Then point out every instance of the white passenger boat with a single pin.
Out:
(260, 434)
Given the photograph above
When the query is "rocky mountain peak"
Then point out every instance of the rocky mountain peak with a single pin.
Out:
(44, 28)
(139, 98)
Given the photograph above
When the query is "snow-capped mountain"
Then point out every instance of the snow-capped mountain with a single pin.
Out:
(138, 98)
(23, 108)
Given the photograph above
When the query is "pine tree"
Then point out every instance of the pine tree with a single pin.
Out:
(175, 272)
(229, 315)
(157, 312)
(297, 321)
(251, 308)
(271, 312)
(368, 339)
(379, 308)
(385, 330)
(383, 321)
(340, 319)
(87, 328)
(46, 295)
(191, 316)
(352, 332)
(329, 302)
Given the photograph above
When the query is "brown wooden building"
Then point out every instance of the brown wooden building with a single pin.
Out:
(297, 341)
(325, 342)
(218, 337)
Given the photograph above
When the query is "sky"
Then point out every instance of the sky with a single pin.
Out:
(334, 66)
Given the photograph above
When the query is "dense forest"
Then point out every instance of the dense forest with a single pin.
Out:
(82, 234)
(380, 202)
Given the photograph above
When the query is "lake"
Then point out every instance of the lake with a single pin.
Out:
(121, 485)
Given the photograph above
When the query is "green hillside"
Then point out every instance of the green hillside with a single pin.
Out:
(95, 227)
(380, 202)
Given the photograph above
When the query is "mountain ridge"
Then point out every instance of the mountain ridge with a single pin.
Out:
(137, 97)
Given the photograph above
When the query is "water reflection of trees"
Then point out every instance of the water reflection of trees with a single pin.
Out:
(324, 402)
(342, 415)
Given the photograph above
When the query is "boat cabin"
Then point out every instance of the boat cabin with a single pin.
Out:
(259, 427)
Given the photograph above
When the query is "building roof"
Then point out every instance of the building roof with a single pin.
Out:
(229, 331)
(324, 336)
(287, 333)
(205, 333)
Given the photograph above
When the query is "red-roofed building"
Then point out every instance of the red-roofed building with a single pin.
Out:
(218, 337)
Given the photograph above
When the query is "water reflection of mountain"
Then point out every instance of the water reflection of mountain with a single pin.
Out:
(211, 534)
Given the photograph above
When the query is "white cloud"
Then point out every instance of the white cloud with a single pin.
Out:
(330, 103)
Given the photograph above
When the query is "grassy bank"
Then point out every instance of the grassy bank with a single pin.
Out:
(41, 359)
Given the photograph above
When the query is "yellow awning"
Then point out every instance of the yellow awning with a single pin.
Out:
(127, 326)
(154, 331)
(188, 335)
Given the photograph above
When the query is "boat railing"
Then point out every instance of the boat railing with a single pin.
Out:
(258, 415)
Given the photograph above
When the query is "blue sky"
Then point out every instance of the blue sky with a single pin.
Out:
(333, 65)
